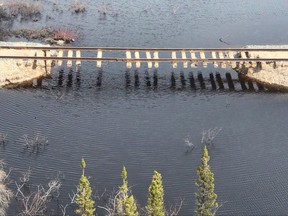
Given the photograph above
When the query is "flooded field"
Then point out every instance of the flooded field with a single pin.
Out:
(144, 127)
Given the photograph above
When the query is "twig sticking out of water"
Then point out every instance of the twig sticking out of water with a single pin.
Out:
(221, 39)
(34, 144)
(175, 209)
(189, 144)
(209, 135)
(175, 9)
(3, 138)
(78, 7)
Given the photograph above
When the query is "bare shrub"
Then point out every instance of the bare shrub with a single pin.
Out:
(34, 202)
(209, 135)
(174, 209)
(78, 7)
(5, 193)
(64, 207)
(189, 144)
(111, 205)
(34, 144)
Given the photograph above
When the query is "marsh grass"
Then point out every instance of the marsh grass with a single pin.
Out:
(78, 7)
(23, 9)
(34, 144)
(29, 34)
(5, 193)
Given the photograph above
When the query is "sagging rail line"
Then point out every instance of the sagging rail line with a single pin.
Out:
(151, 56)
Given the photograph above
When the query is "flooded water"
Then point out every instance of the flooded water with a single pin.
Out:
(144, 128)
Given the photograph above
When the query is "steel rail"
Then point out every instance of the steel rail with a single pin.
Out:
(144, 49)
(147, 60)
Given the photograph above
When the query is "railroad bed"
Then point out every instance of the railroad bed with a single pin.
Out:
(264, 64)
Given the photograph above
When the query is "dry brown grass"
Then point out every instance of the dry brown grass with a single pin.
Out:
(5, 193)
(78, 7)
(23, 9)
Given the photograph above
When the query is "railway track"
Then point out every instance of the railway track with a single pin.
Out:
(151, 57)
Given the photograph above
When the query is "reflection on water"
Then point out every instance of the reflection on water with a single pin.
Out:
(140, 118)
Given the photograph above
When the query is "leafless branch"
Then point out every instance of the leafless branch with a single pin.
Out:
(111, 205)
(209, 135)
(35, 202)
(175, 209)
(189, 144)
(64, 207)
(34, 144)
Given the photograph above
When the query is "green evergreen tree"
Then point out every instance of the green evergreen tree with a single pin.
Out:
(130, 207)
(155, 205)
(83, 196)
(206, 204)
(126, 204)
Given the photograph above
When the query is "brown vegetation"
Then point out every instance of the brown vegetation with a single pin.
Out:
(66, 35)
(5, 193)
(78, 7)
(29, 34)
(23, 9)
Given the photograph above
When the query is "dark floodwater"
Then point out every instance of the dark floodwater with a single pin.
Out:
(144, 128)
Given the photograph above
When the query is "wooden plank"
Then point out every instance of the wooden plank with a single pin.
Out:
(70, 55)
(60, 54)
(231, 56)
(40, 63)
(78, 55)
(148, 56)
(156, 56)
(48, 62)
(99, 55)
(243, 56)
(137, 56)
(194, 63)
(202, 56)
(221, 56)
(185, 64)
(174, 64)
(128, 56)
(213, 55)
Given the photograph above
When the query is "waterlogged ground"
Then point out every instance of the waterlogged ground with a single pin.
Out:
(145, 127)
